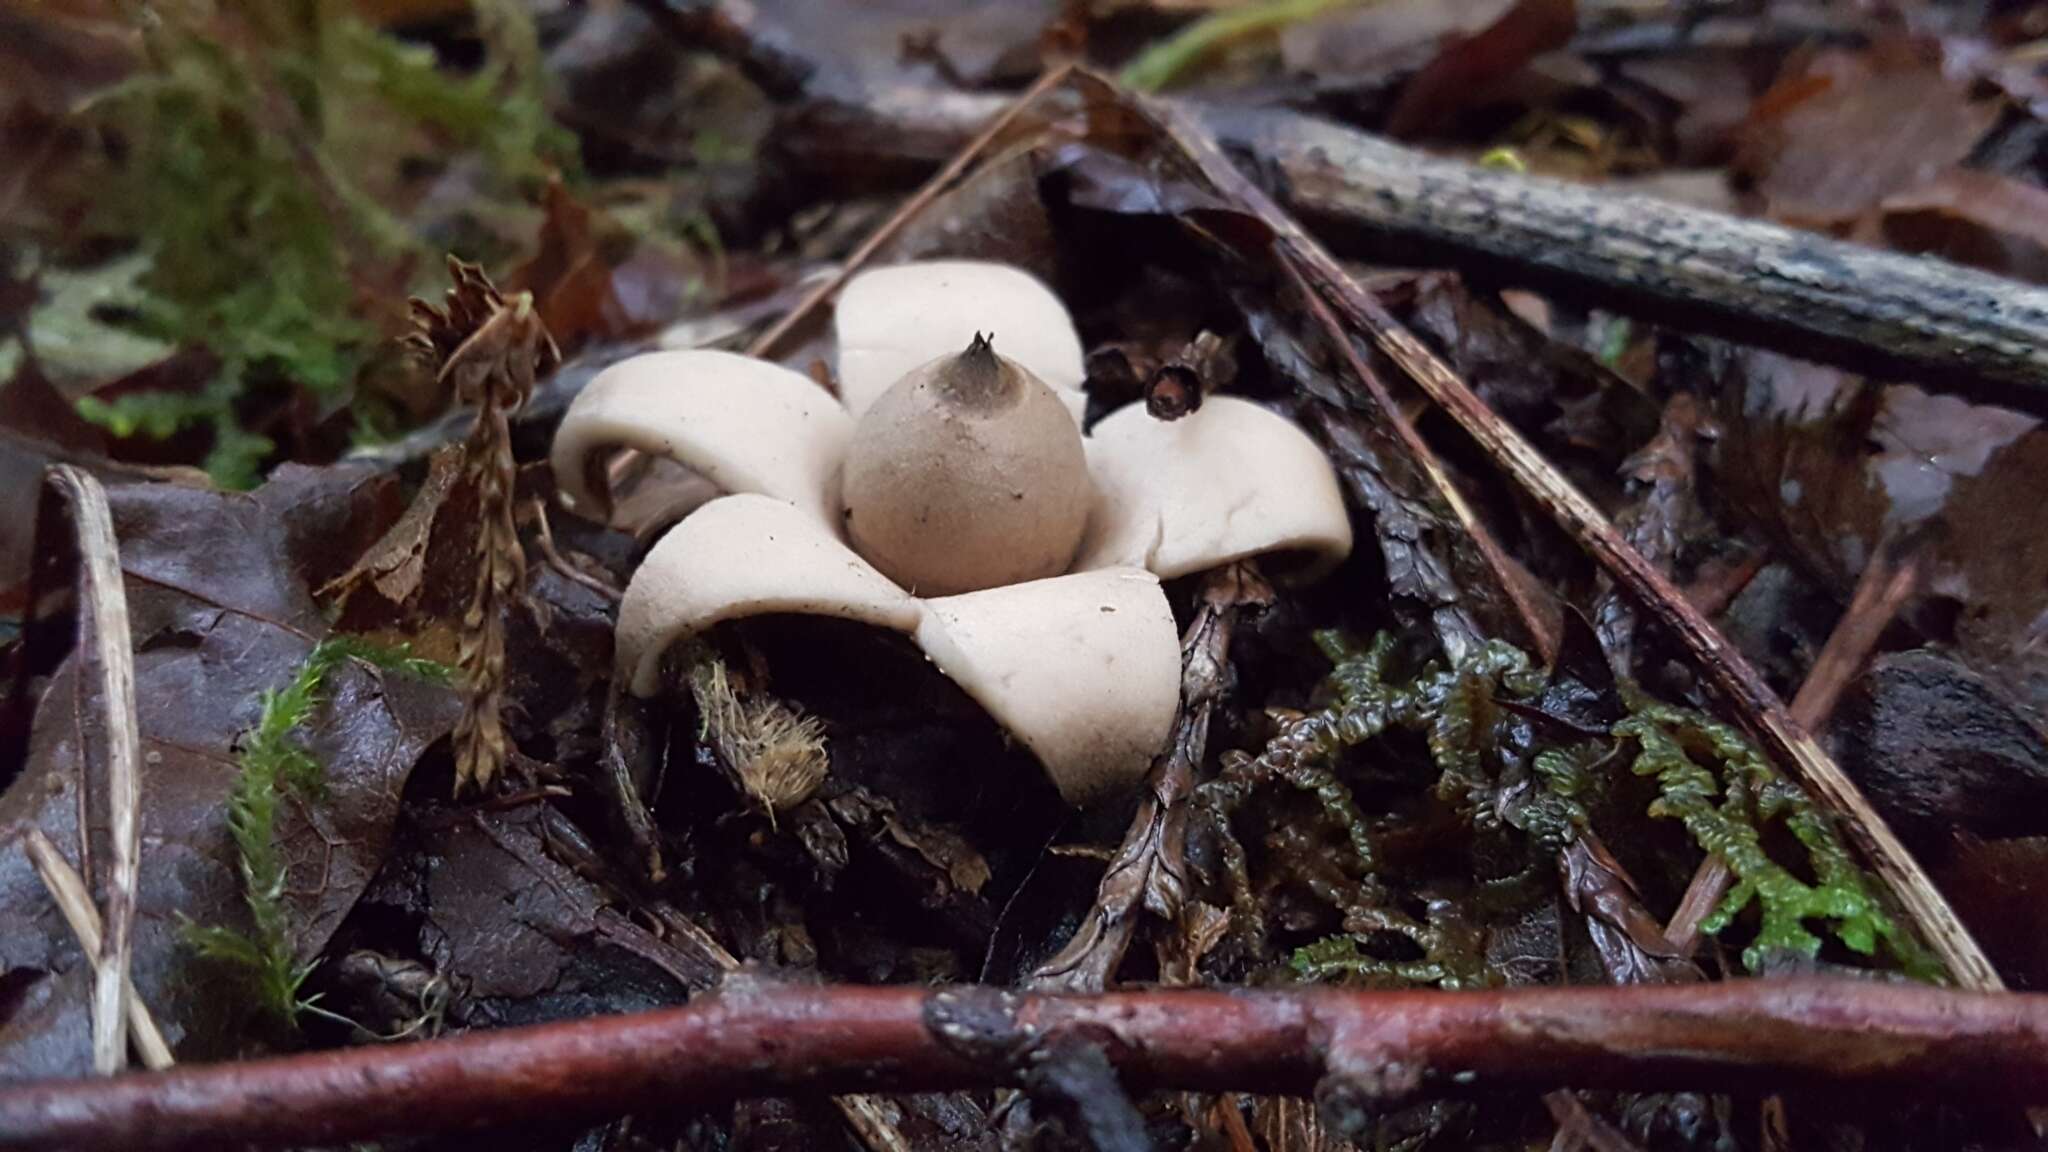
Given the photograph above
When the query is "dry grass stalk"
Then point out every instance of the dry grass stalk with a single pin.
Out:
(491, 350)
(105, 648)
(67, 890)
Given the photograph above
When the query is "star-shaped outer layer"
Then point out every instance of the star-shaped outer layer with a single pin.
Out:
(1083, 668)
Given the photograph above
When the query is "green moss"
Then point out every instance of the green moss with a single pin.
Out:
(1339, 958)
(272, 763)
(245, 173)
(1717, 784)
(1709, 777)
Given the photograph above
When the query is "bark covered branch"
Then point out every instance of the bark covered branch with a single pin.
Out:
(1922, 319)
(1901, 316)
(1354, 1050)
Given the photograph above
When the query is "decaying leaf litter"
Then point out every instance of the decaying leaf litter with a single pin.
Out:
(1471, 757)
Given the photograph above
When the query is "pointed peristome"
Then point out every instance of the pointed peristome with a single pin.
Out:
(976, 377)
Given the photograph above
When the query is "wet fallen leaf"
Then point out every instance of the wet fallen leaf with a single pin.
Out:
(569, 277)
(221, 613)
(1837, 138)
(1833, 467)
(1465, 71)
(1628, 939)
(524, 935)
(1971, 217)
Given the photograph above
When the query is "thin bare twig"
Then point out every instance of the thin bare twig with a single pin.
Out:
(1579, 1129)
(1358, 1051)
(67, 890)
(560, 563)
(1887, 582)
(1739, 682)
(1150, 867)
(1540, 633)
(1053, 77)
(104, 644)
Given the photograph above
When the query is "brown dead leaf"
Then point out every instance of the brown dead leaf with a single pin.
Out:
(1972, 217)
(1629, 940)
(1713, 93)
(395, 568)
(1834, 467)
(220, 613)
(1467, 69)
(1374, 43)
(570, 276)
(1827, 144)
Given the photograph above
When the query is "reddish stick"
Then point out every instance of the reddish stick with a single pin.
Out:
(1354, 1049)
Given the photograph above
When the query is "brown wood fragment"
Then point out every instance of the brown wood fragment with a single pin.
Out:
(1355, 1050)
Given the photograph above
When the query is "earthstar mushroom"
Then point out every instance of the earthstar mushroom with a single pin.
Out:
(1083, 668)
(968, 473)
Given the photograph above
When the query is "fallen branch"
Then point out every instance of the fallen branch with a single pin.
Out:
(1910, 317)
(1978, 335)
(1355, 1050)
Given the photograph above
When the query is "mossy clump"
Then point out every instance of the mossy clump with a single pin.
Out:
(257, 154)
(272, 763)
(1708, 777)
(1717, 784)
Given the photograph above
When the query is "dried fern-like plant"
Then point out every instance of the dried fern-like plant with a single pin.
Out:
(491, 351)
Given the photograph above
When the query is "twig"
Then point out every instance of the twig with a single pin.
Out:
(68, 892)
(560, 563)
(1890, 314)
(1725, 665)
(104, 643)
(1540, 634)
(1882, 590)
(1053, 77)
(1150, 867)
(1702, 895)
(1357, 1050)
(1887, 582)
